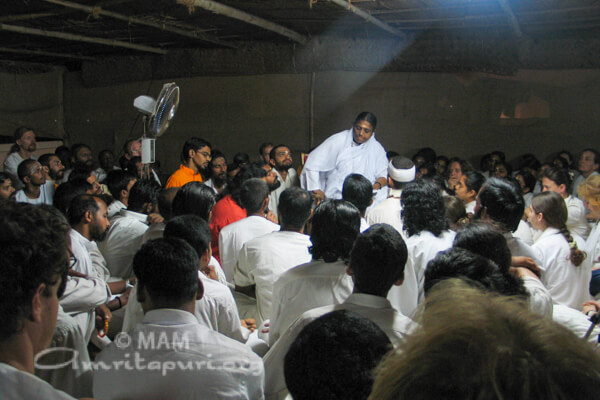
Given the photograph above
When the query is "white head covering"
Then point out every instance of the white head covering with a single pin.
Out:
(401, 175)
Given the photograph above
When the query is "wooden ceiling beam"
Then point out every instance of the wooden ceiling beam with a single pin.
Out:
(231, 12)
(80, 38)
(368, 17)
(137, 21)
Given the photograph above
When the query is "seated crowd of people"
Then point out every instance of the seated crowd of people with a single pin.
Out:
(230, 280)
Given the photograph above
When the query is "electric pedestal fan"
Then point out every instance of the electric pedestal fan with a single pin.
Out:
(157, 117)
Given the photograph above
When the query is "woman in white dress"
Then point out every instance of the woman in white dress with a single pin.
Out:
(566, 272)
(589, 191)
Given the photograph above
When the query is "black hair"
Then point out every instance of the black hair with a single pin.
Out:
(529, 161)
(506, 165)
(423, 208)
(4, 176)
(24, 167)
(193, 143)
(483, 239)
(168, 269)
(358, 190)
(80, 171)
(131, 165)
(568, 153)
(273, 151)
(240, 159)
(377, 259)
(79, 206)
(333, 358)
(264, 146)
(249, 171)
(44, 159)
(367, 116)
(117, 181)
(78, 146)
(391, 154)
(67, 191)
(35, 245)
(464, 164)
(560, 176)
(400, 162)
(20, 131)
(474, 180)
(194, 198)
(191, 228)
(294, 208)
(428, 154)
(529, 179)
(335, 226)
(560, 160)
(143, 192)
(474, 269)
(500, 154)
(165, 201)
(486, 162)
(253, 193)
(503, 203)
(455, 212)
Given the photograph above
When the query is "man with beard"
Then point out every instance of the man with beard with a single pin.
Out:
(88, 217)
(36, 191)
(218, 172)
(280, 159)
(195, 157)
(81, 158)
(84, 172)
(22, 150)
(106, 159)
(53, 167)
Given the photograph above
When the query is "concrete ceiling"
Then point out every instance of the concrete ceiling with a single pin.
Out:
(75, 32)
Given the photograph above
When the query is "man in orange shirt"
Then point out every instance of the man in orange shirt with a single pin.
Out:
(195, 157)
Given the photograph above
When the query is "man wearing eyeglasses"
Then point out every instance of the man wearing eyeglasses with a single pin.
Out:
(281, 160)
(195, 157)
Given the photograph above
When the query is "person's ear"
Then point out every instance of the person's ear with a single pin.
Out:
(472, 194)
(272, 162)
(36, 304)
(191, 153)
(88, 217)
(124, 193)
(200, 292)
(562, 187)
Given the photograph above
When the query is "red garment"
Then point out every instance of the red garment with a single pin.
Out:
(225, 212)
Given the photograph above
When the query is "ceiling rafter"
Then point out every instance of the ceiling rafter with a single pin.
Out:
(386, 27)
(133, 20)
(231, 12)
(80, 38)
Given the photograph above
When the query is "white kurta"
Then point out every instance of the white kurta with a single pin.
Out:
(592, 246)
(375, 308)
(576, 221)
(207, 365)
(233, 236)
(216, 310)
(315, 284)
(422, 248)
(337, 157)
(122, 242)
(389, 212)
(18, 385)
(518, 248)
(568, 284)
(540, 299)
(114, 208)
(291, 181)
(576, 321)
(74, 378)
(262, 260)
(46, 195)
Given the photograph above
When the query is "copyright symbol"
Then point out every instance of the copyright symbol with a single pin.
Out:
(122, 340)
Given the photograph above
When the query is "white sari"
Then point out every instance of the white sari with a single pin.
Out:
(337, 157)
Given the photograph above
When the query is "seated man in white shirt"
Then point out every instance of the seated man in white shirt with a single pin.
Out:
(376, 264)
(125, 234)
(34, 265)
(401, 171)
(323, 281)
(425, 223)
(254, 196)
(358, 191)
(280, 160)
(36, 189)
(334, 358)
(195, 361)
(263, 259)
(119, 184)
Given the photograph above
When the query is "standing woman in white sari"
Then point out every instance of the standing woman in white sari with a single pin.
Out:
(566, 271)
(589, 191)
(353, 151)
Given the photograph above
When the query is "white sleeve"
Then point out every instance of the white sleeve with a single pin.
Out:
(83, 294)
